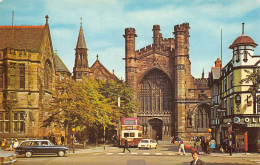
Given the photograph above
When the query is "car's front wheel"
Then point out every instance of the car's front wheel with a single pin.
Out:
(28, 154)
(61, 153)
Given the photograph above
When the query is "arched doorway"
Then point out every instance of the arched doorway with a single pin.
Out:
(156, 128)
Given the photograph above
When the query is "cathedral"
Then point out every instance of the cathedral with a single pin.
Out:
(172, 101)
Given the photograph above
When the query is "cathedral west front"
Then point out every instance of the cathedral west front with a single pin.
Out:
(172, 101)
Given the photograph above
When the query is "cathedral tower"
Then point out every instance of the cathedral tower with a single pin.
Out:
(130, 57)
(81, 67)
(182, 66)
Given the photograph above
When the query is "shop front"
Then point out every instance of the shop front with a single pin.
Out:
(245, 132)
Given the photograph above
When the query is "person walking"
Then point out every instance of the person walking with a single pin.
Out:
(126, 146)
(12, 144)
(181, 146)
(62, 139)
(212, 144)
(16, 143)
(196, 160)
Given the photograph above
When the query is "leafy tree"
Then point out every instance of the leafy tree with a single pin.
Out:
(254, 79)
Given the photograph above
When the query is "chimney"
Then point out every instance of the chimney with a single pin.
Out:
(218, 63)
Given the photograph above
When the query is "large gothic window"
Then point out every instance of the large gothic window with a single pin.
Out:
(202, 117)
(47, 75)
(156, 93)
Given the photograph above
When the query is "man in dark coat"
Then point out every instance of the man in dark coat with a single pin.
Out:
(196, 160)
(126, 146)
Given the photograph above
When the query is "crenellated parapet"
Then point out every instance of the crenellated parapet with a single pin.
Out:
(182, 27)
(129, 32)
(162, 49)
(15, 53)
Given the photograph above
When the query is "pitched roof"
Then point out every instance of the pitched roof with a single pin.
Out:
(59, 65)
(107, 73)
(215, 71)
(81, 39)
(21, 37)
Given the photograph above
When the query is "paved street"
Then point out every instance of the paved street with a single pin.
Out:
(165, 154)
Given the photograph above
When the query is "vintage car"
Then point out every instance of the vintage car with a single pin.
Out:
(39, 147)
(7, 157)
(147, 143)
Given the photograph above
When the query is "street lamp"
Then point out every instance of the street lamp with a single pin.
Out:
(73, 130)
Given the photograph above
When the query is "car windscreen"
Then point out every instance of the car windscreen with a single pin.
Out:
(144, 141)
(25, 144)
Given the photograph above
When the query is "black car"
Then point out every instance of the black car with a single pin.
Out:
(39, 147)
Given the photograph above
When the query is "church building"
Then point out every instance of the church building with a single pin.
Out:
(81, 67)
(172, 101)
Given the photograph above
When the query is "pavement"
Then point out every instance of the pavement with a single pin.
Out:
(78, 149)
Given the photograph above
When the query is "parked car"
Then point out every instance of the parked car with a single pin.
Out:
(147, 143)
(39, 147)
(7, 157)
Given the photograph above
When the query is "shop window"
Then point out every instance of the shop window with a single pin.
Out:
(18, 122)
(4, 122)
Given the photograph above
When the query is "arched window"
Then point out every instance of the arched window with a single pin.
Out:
(202, 117)
(155, 92)
(47, 75)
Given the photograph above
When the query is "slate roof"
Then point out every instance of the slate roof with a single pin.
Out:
(81, 39)
(59, 65)
(21, 37)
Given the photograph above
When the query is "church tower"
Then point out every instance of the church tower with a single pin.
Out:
(81, 67)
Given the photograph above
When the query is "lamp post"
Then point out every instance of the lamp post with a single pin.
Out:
(73, 130)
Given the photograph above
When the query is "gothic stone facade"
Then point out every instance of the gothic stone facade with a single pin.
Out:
(172, 101)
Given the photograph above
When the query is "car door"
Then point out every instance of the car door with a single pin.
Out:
(35, 147)
(48, 148)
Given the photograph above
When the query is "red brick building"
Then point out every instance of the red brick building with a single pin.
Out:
(172, 101)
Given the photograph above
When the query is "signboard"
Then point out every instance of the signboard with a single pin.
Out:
(246, 141)
(247, 120)
(253, 125)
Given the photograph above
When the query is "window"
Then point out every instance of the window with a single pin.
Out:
(126, 134)
(12, 76)
(202, 117)
(140, 135)
(4, 122)
(230, 85)
(1, 76)
(18, 122)
(231, 106)
(47, 75)
(22, 76)
(132, 134)
(155, 94)
(62, 76)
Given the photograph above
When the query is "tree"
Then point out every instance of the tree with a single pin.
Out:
(254, 79)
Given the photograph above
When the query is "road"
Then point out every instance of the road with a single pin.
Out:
(164, 154)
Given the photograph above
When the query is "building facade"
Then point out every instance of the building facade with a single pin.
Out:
(172, 101)
(27, 79)
(239, 120)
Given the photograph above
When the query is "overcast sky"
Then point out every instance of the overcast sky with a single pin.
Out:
(104, 22)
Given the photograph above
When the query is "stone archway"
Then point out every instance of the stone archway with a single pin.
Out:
(156, 128)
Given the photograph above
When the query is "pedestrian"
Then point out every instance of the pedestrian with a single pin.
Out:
(157, 139)
(126, 146)
(12, 144)
(207, 146)
(3, 144)
(196, 160)
(16, 143)
(212, 144)
(62, 139)
(181, 146)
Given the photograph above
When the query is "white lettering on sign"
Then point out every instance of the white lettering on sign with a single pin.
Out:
(253, 121)
(247, 120)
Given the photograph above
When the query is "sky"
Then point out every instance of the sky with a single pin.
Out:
(104, 22)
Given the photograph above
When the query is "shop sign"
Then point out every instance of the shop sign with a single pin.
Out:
(253, 125)
(246, 120)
